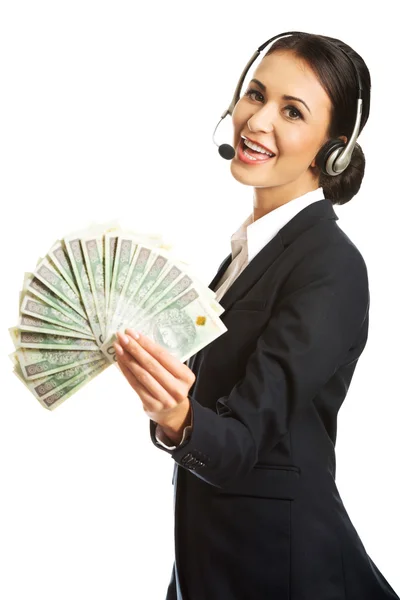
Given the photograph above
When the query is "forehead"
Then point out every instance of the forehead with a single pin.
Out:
(283, 72)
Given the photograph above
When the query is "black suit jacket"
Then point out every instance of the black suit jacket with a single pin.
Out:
(257, 511)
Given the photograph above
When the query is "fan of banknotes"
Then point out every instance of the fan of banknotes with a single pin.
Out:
(90, 285)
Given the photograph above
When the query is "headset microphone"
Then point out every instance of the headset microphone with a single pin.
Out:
(335, 155)
(225, 150)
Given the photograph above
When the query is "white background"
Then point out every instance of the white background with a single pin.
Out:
(107, 112)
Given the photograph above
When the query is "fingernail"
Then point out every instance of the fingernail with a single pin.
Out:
(118, 349)
(133, 333)
(123, 338)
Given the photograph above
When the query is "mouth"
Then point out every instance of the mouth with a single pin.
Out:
(250, 156)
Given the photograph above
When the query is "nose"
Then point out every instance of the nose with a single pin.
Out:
(262, 119)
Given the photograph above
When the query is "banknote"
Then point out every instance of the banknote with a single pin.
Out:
(161, 282)
(48, 275)
(30, 323)
(133, 258)
(37, 363)
(183, 326)
(75, 253)
(35, 287)
(93, 252)
(58, 396)
(31, 339)
(139, 270)
(44, 386)
(60, 259)
(110, 246)
(127, 248)
(34, 307)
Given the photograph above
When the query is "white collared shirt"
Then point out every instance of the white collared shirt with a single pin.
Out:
(250, 238)
(252, 235)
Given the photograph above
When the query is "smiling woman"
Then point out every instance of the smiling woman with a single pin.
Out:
(257, 510)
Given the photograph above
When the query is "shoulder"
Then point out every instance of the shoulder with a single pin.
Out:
(328, 256)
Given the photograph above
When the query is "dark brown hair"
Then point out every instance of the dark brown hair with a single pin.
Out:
(336, 75)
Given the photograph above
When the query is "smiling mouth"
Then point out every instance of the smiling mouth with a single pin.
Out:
(249, 156)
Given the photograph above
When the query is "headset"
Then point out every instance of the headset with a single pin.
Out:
(335, 155)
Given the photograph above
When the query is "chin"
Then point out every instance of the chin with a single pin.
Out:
(245, 176)
(240, 175)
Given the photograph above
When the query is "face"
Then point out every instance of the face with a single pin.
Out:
(293, 132)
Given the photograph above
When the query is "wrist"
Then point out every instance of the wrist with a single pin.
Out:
(174, 431)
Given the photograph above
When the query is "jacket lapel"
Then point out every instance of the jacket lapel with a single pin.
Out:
(303, 220)
(221, 270)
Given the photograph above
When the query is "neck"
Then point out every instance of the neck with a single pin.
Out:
(267, 199)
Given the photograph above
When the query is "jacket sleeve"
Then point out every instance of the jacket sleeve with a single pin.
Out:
(313, 325)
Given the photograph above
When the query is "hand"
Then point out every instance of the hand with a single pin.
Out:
(160, 379)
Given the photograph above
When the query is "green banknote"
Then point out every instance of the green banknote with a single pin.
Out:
(35, 287)
(37, 363)
(183, 326)
(43, 387)
(34, 307)
(93, 252)
(48, 275)
(32, 339)
(30, 323)
(57, 397)
(59, 257)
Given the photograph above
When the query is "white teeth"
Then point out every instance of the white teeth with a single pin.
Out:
(251, 157)
(257, 148)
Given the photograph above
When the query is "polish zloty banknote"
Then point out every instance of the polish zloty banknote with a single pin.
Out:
(37, 363)
(110, 247)
(133, 257)
(44, 386)
(57, 397)
(147, 265)
(127, 248)
(93, 252)
(34, 307)
(75, 254)
(159, 297)
(60, 259)
(30, 339)
(37, 288)
(183, 327)
(57, 284)
(30, 323)
(93, 249)
(163, 282)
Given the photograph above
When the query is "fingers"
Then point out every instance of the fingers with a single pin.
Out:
(165, 358)
(151, 393)
(149, 371)
(147, 399)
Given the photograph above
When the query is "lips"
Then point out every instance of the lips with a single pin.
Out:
(258, 144)
(260, 159)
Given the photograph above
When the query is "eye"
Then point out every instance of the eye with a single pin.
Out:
(290, 108)
(251, 91)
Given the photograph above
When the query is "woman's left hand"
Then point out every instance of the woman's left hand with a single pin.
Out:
(159, 378)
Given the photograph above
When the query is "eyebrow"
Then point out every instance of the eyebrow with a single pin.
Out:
(285, 97)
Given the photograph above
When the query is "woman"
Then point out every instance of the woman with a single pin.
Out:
(250, 420)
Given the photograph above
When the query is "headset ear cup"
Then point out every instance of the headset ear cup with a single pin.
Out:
(325, 152)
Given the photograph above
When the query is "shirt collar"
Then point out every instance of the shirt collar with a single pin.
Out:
(256, 234)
